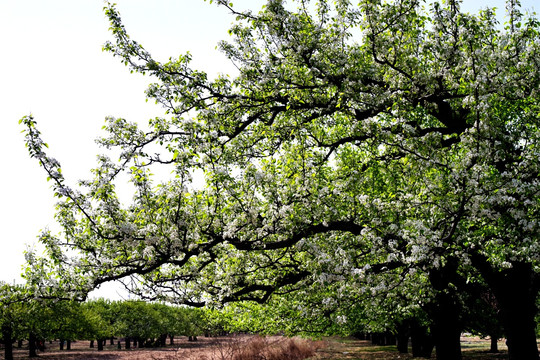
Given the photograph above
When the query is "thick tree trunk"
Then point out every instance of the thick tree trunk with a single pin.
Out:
(100, 344)
(446, 328)
(494, 348)
(128, 343)
(61, 344)
(389, 339)
(520, 329)
(171, 339)
(518, 311)
(91, 343)
(403, 334)
(447, 345)
(68, 345)
(7, 335)
(446, 312)
(516, 291)
(32, 350)
(417, 334)
(403, 343)
(421, 341)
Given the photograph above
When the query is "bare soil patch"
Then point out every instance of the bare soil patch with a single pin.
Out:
(221, 348)
(354, 349)
(245, 347)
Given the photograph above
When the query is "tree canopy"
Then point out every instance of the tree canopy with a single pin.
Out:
(366, 149)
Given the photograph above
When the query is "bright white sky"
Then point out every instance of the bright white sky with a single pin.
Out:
(52, 66)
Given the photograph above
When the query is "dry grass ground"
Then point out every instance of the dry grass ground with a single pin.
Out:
(353, 349)
(216, 348)
(253, 347)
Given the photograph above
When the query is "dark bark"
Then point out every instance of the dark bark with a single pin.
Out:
(32, 349)
(403, 334)
(518, 299)
(516, 291)
(445, 312)
(100, 344)
(417, 334)
(446, 328)
(128, 343)
(389, 339)
(380, 339)
(118, 345)
(421, 341)
(61, 344)
(520, 329)
(360, 336)
(19, 343)
(447, 344)
(494, 347)
(91, 343)
(7, 336)
(163, 340)
(403, 344)
(68, 345)
(171, 339)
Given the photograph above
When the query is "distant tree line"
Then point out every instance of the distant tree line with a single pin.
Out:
(130, 323)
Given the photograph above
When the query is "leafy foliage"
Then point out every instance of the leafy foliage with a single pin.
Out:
(362, 151)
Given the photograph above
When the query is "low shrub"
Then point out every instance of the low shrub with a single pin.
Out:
(253, 348)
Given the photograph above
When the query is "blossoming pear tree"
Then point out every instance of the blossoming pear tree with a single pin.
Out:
(361, 144)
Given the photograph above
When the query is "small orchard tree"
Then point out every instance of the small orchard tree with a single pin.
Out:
(29, 314)
(11, 298)
(174, 321)
(100, 318)
(372, 139)
(68, 322)
(138, 321)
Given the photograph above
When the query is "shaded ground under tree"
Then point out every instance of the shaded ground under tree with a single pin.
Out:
(329, 349)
